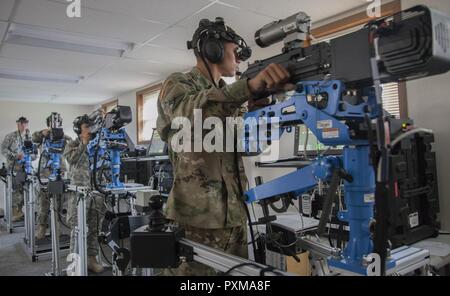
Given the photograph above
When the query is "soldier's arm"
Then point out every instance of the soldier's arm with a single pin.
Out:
(179, 97)
(37, 137)
(67, 139)
(6, 148)
(73, 152)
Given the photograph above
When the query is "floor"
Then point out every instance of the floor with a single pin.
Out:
(14, 261)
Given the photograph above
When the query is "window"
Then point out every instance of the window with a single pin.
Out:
(147, 112)
(107, 107)
(394, 94)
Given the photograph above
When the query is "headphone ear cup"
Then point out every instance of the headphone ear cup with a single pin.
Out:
(213, 50)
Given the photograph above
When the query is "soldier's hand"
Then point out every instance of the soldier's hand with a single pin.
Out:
(20, 156)
(274, 78)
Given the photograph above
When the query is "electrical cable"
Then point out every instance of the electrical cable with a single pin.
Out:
(38, 173)
(247, 212)
(382, 171)
(409, 133)
(59, 215)
(97, 227)
(263, 269)
(94, 168)
(328, 202)
(208, 69)
(305, 144)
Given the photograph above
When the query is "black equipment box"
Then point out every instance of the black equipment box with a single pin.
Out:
(414, 198)
(136, 172)
(159, 249)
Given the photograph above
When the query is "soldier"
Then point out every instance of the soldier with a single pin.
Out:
(12, 151)
(206, 195)
(43, 197)
(78, 159)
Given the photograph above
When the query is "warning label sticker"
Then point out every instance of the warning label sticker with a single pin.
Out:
(321, 124)
(330, 133)
(369, 197)
(414, 220)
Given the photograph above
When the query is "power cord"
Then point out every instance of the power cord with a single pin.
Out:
(97, 229)
(263, 270)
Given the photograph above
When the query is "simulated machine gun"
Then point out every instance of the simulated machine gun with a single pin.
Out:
(109, 140)
(53, 148)
(28, 149)
(338, 97)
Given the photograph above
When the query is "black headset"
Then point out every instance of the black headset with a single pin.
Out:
(78, 122)
(208, 39)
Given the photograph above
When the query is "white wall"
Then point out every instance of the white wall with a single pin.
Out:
(429, 106)
(129, 99)
(36, 114)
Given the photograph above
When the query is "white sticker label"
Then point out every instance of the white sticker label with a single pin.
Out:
(414, 220)
(321, 124)
(306, 204)
(330, 133)
(369, 197)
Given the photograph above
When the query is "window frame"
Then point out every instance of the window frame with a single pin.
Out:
(107, 105)
(140, 110)
(359, 19)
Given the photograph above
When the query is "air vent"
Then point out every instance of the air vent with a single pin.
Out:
(442, 36)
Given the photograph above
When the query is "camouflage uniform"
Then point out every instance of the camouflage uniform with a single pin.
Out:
(205, 194)
(11, 147)
(77, 157)
(43, 197)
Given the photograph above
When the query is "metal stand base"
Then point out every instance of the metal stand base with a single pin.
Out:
(7, 199)
(403, 261)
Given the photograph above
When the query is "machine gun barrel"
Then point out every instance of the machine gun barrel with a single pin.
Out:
(409, 45)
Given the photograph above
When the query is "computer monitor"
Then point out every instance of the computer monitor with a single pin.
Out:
(157, 146)
(313, 147)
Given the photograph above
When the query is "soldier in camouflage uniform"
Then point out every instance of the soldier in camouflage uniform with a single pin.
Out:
(206, 195)
(43, 197)
(12, 151)
(78, 159)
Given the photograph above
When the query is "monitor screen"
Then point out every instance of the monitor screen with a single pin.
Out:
(157, 145)
(313, 146)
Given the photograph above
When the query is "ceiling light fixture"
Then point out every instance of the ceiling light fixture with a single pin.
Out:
(42, 37)
(43, 77)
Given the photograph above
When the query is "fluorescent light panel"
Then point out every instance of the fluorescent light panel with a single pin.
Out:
(42, 77)
(42, 37)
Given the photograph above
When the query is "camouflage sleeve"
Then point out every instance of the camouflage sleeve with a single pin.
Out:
(74, 151)
(6, 148)
(37, 137)
(67, 139)
(179, 97)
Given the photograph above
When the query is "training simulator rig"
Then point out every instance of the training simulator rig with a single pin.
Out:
(338, 97)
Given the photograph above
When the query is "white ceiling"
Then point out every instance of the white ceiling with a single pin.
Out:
(159, 28)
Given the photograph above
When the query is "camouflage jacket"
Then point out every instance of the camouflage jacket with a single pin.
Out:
(38, 139)
(11, 147)
(205, 190)
(78, 159)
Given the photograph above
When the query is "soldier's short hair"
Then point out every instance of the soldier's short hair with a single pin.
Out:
(22, 119)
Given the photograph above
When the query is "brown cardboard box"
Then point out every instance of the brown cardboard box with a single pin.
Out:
(302, 268)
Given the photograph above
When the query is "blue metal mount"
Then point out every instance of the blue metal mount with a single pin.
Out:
(54, 149)
(106, 147)
(333, 115)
